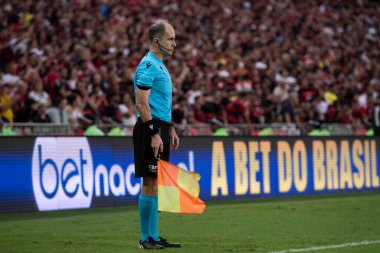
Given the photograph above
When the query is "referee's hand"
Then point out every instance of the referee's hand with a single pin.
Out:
(157, 145)
(174, 140)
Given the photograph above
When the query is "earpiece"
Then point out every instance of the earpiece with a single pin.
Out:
(161, 47)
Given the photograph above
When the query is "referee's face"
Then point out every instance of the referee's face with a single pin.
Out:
(168, 41)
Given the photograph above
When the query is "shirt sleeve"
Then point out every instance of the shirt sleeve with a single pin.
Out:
(146, 76)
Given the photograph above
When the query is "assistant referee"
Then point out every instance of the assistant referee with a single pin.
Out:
(153, 133)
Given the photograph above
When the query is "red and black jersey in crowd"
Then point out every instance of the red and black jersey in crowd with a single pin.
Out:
(307, 94)
(199, 114)
(211, 110)
(257, 111)
(234, 110)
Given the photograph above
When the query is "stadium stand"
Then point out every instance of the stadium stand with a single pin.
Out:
(249, 63)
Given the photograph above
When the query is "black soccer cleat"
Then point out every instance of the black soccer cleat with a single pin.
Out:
(163, 242)
(150, 244)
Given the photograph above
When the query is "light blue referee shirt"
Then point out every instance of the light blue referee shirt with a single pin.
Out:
(152, 74)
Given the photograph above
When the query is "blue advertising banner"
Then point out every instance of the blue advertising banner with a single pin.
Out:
(54, 173)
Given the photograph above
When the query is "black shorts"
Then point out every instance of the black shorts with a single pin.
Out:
(145, 162)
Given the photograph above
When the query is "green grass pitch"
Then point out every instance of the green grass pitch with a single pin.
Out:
(250, 225)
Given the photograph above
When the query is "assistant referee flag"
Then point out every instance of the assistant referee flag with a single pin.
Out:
(178, 189)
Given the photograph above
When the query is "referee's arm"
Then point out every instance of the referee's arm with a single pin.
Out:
(143, 104)
(146, 115)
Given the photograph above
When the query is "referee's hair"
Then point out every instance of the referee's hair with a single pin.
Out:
(157, 30)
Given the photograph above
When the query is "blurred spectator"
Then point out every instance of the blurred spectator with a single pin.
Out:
(314, 129)
(236, 108)
(212, 108)
(6, 129)
(199, 115)
(58, 113)
(267, 131)
(6, 103)
(330, 95)
(95, 103)
(74, 108)
(88, 125)
(307, 93)
(41, 115)
(128, 111)
(217, 128)
(256, 110)
(9, 94)
(111, 113)
(38, 94)
(116, 131)
(290, 109)
(321, 106)
(280, 94)
(180, 111)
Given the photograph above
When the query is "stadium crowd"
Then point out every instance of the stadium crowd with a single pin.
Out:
(240, 61)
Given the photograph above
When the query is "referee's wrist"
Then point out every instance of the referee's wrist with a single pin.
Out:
(151, 127)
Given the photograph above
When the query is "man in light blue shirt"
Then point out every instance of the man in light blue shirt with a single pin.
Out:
(153, 133)
(151, 74)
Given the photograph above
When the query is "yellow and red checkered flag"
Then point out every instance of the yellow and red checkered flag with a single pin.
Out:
(178, 190)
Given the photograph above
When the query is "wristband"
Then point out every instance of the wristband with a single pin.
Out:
(151, 127)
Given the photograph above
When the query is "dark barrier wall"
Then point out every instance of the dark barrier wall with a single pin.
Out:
(51, 173)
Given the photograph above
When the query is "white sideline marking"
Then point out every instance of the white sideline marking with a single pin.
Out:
(345, 245)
